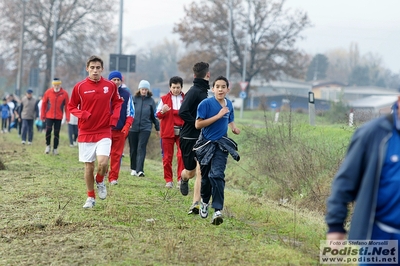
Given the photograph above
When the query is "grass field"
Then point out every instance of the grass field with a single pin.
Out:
(141, 222)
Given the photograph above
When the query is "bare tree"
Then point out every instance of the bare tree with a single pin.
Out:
(354, 69)
(271, 32)
(339, 65)
(83, 29)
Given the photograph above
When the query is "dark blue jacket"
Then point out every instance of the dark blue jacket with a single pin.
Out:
(144, 114)
(205, 149)
(358, 179)
(5, 111)
(127, 108)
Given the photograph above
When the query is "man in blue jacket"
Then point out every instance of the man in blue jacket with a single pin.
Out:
(369, 173)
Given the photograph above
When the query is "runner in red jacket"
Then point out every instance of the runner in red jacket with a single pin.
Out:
(54, 104)
(170, 125)
(97, 104)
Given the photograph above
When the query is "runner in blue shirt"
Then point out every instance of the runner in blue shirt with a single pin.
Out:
(214, 115)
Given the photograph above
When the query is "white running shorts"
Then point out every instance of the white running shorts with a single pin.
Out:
(89, 150)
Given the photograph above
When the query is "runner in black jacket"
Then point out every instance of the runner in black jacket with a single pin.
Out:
(189, 134)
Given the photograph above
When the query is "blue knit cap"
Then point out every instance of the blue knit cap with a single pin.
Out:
(144, 84)
(115, 74)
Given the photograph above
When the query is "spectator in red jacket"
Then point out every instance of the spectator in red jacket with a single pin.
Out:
(97, 104)
(54, 104)
(170, 125)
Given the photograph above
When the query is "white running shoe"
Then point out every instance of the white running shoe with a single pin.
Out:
(169, 185)
(101, 190)
(217, 218)
(47, 150)
(203, 210)
(114, 182)
(133, 172)
(90, 202)
(55, 152)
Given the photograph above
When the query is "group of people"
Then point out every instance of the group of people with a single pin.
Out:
(46, 113)
(102, 113)
(7, 113)
(108, 114)
(10, 111)
(20, 115)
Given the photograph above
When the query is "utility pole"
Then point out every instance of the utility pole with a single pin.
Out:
(245, 57)
(316, 68)
(21, 50)
(228, 60)
(121, 7)
(53, 53)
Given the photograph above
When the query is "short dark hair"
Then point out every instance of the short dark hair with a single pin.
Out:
(94, 58)
(221, 78)
(176, 80)
(201, 69)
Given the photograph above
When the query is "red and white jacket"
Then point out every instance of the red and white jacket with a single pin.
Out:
(171, 118)
(97, 104)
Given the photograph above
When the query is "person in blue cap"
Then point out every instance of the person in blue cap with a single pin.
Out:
(120, 132)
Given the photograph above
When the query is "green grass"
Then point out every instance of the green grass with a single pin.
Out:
(42, 221)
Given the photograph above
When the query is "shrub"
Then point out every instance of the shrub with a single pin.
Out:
(289, 161)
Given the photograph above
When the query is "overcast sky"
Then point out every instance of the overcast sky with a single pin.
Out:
(374, 25)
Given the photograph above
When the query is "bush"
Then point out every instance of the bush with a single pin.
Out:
(291, 162)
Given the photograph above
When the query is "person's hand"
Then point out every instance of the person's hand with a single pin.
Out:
(85, 115)
(235, 131)
(335, 236)
(223, 111)
(165, 108)
(125, 130)
(158, 133)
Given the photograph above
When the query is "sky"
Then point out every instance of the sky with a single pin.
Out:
(374, 25)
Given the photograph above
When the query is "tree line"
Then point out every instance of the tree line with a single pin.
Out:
(264, 32)
(351, 68)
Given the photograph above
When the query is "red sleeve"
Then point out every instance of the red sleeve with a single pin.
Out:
(66, 106)
(73, 104)
(160, 115)
(129, 121)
